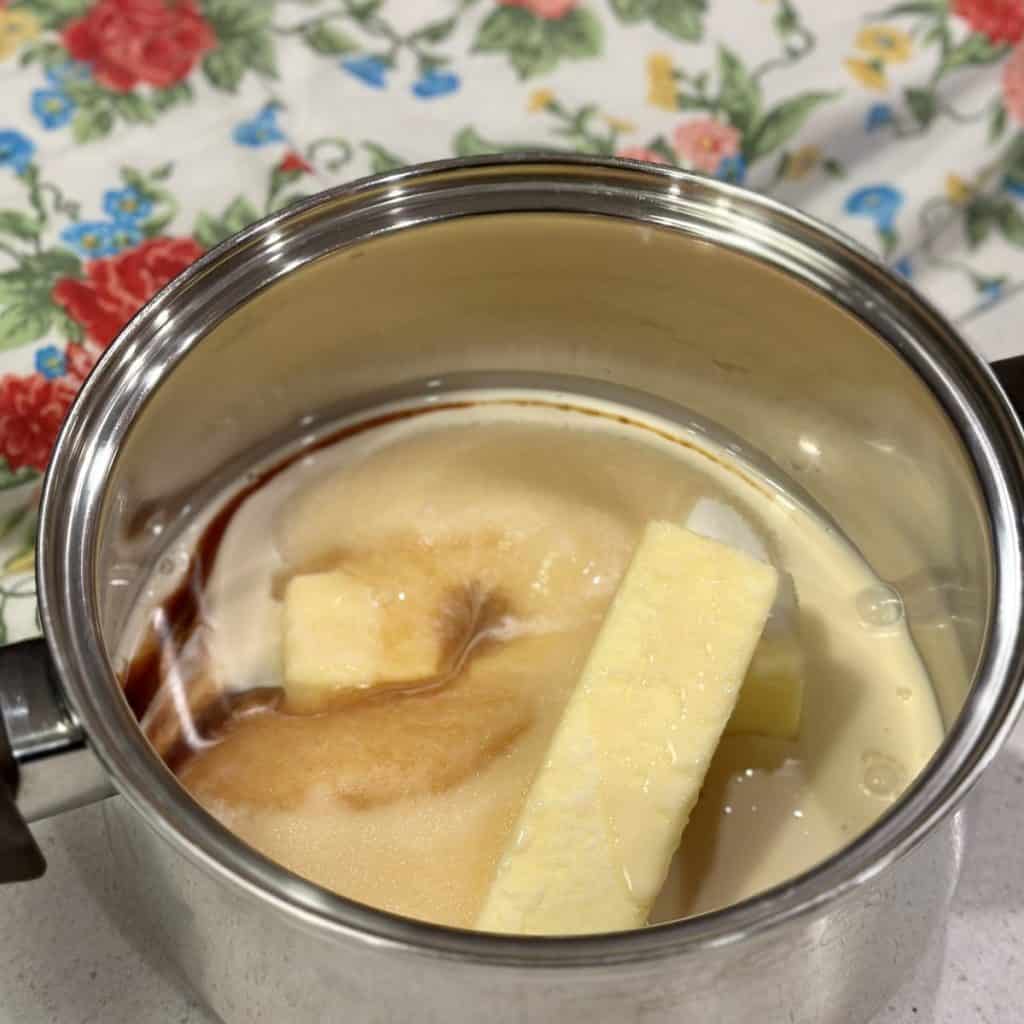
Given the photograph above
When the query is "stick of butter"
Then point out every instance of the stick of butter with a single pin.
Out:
(773, 692)
(605, 813)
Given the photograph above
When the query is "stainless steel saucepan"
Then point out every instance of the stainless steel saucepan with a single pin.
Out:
(690, 291)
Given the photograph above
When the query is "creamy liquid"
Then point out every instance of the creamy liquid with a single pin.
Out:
(406, 801)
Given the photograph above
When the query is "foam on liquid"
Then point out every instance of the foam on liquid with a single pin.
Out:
(406, 801)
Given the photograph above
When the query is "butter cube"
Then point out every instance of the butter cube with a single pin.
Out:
(604, 816)
(344, 635)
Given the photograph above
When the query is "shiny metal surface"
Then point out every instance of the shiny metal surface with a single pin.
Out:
(689, 290)
(56, 770)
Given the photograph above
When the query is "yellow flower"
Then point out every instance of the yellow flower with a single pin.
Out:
(887, 43)
(870, 73)
(802, 162)
(661, 82)
(619, 124)
(539, 100)
(958, 191)
(16, 28)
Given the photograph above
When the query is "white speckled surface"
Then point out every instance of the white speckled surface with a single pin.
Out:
(63, 960)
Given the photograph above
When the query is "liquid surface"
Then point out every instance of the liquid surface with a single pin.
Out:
(528, 515)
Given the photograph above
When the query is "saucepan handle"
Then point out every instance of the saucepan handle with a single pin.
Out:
(45, 765)
(1010, 374)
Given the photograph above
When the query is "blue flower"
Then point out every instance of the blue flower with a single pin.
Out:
(904, 267)
(16, 150)
(50, 361)
(52, 107)
(436, 83)
(126, 205)
(1014, 185)
(372, 71)
(260, 130)
(990, 289)
(68, 71)
(732, 169)
(880, 203)
(878, 116)
(91, 238)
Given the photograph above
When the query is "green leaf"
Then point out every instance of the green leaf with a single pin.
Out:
(92, 123)
(24, 322)
(740, 95)
(164, 99)
(14, 285)
(258, 53)
(922, 104)
(382, 160)
(937, 7)
(232, 19)
(682, 18)
(890, 241)
(54, 13)
(323, 38)
(504, 28)
(54, 263)
(469, 142)
(133, 108)
(239, 214)
(781, 123)
(208, 231)
(21, 225)
(660, 145)
(975, 49)
(997, 122)
(576, 35)
(533, 59)
(15, 477)
(633, 10)
(1011, 223)
(155, 226)
(436, 31)
(224, 67)
(980, 216)
(71, 329)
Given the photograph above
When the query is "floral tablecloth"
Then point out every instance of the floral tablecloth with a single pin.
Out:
(135, 134)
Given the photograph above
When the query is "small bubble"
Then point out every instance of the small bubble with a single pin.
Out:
(883, 776)
(798, 814)
(165, 566)
(904, 692)
(879, 606)
(749, 772)
(727, 809)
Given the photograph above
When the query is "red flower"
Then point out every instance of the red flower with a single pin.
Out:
(1000, 21)
(117, 287)
(293, 162)
(550, 10)
(132, 41)
(31, 412)
(1013, 84)
(79, 361)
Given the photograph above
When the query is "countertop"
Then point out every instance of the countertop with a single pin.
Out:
(64, 960)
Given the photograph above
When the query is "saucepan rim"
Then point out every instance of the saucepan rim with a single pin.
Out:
(815, 253)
